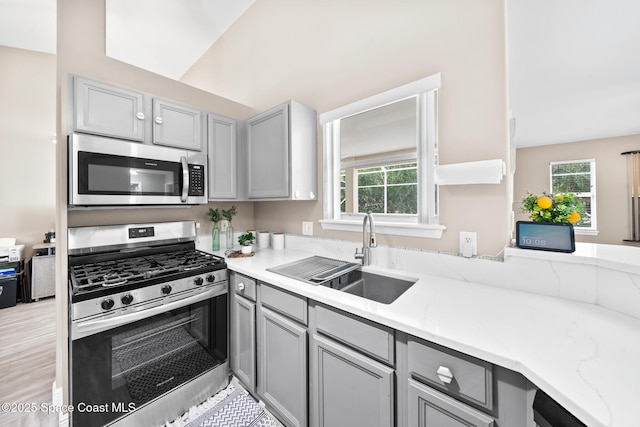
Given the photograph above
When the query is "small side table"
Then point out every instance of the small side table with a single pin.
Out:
(43, 271)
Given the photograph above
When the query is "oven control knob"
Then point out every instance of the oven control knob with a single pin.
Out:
(166, 289)
(127, 299)
(211, 278)
(107, 304)
(198, 281)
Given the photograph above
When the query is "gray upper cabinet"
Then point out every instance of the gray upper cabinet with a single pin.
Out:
(176, 125)
(223, 158)
(282, 153)
(107, 110)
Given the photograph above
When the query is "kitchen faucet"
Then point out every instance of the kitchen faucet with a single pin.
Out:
(365, 256)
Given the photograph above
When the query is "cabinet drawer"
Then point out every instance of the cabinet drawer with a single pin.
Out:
(368, 337)
(243, 285)
(283, 302)
(471, 379)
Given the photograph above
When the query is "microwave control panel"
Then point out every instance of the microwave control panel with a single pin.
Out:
(196, 180)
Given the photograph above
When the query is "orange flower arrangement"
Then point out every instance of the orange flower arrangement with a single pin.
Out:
(561, 207)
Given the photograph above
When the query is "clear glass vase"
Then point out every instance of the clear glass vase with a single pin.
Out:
(215, 237)
(229, 236)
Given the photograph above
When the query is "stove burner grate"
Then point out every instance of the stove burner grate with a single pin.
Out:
(117, 272)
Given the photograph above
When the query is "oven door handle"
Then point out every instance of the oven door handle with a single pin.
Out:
(185, 178)
(90, 327)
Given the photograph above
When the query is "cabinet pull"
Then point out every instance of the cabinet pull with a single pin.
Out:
(240, 287)
(159, 120)
(140, 116)
(445, 374)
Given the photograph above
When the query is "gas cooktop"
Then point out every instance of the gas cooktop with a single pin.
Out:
(104, 274)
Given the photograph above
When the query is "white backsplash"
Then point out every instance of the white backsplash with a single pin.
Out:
(604, 275)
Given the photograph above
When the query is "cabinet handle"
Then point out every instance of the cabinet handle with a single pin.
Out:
(240, 287)
(159, 120)
(445, 374)
(140, 116)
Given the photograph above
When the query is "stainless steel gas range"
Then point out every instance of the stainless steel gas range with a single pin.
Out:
(148, 323)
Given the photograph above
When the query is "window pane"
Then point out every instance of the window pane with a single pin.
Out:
(585, 221)
(402, 176)
(570, 168)
(572, 183)
(402, 199)
(374, 178)
(371, 199)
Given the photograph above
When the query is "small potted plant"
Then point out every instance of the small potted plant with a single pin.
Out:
(246, 241)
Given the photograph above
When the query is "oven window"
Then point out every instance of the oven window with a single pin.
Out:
(131, 365)
(119, 175)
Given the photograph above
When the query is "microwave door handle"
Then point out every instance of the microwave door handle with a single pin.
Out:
(185, 179)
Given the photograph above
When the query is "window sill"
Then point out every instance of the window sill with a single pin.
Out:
(429, 231)
(586, 232)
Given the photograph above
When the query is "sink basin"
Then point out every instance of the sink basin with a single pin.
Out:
(379, 288)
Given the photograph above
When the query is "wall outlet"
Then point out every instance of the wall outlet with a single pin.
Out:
(224, 224)
(197, 225)
(307, 228)
(468, 243)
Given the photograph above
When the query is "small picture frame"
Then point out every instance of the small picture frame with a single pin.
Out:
(545, 236)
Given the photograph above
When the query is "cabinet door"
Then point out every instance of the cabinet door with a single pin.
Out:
(223, 168)
(430, 408)
(243, 340)
(348, 389)
(107, 110)
(282, 366)
(177, 125)
(268, 165)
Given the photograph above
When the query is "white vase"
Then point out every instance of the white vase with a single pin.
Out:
(246, 249)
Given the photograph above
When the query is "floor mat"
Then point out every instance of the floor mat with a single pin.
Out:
(231, 407)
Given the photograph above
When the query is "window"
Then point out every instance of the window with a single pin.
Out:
(578, 177)
(380, 155)
(386, 189)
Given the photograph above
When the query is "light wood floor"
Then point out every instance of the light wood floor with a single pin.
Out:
(27, 360)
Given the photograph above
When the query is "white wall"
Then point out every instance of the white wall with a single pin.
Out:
(27, 157)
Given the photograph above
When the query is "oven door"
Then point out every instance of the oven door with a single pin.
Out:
(104, 171)
(117, 371)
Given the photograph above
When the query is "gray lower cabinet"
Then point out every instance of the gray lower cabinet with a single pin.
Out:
(282, 366)
(348, 389)
(103, 109)
(178, 126)
(243, 329)
(430, 408)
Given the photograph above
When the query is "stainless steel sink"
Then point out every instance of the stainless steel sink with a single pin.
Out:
(346, 277)
(377, 287)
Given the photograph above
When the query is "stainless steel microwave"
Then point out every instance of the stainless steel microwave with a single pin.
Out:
(112, 172)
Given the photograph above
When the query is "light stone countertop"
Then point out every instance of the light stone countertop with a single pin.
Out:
(584, 356)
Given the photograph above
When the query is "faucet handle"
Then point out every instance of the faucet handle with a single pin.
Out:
(358, 254)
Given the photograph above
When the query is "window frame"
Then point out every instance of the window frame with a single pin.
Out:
(593, 230)
(426, 222)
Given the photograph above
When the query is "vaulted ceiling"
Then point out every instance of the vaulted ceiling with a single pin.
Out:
(574, 71)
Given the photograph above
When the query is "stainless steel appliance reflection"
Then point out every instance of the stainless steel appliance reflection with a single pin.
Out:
(148, 326)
